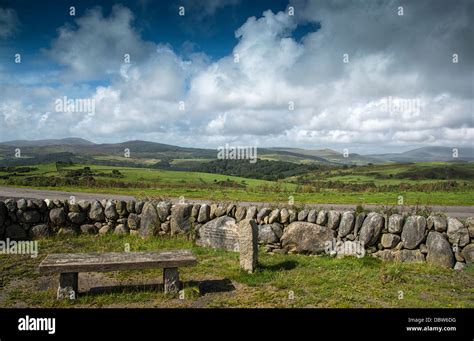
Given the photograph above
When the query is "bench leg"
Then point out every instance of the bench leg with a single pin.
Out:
(68, 286)
(171, 280)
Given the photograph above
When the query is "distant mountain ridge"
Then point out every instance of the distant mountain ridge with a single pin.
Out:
(81, 148)
(429, 154)
(332, 155)
(70, 141)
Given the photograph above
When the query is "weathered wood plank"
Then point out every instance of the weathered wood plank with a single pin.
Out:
(115, 261)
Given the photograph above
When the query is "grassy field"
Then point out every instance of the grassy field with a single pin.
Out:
(196, 185)
(324, 197)
(154, 176)
(217, 281)
(386, 174)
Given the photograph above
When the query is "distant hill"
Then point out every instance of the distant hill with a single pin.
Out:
(70, 141)
(292, 153)
(429, 154)
(332, 156)
(79, 147)
(153, 154)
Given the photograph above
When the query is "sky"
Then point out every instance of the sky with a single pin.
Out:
(367, 76)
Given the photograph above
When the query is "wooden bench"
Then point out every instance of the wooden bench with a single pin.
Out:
(68, 265)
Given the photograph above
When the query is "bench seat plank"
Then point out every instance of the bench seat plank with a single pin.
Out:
(115, 261)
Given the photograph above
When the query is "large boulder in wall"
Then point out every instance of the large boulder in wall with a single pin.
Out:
(219, 233)
(164, 209)
(413, 232)
(304, 237)
(96, 212)
(180, 218)
(457, 233)
(149, 221)
(371, 228)
(439, 250)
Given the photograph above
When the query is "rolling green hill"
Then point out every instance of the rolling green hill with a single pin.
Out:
(429, 154)
(333, 156)
(159, 155)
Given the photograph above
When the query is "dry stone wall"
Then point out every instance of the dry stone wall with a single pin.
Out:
(437, 240)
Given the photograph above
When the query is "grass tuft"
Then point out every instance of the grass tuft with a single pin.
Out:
(217, 281)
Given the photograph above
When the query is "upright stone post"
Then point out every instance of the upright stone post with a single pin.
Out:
(248, 244)
(171, 280)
